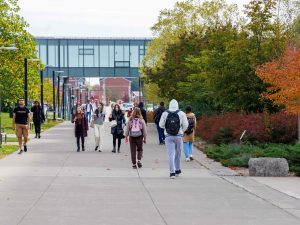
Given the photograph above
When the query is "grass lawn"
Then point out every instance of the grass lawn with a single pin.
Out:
(7, 124)
(7, 149)
(239, 155)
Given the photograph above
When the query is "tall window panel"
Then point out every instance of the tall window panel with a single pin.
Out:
(134, 56)
(53, 53)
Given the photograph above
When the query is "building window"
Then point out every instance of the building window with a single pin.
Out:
(122, 64)
(86, 51)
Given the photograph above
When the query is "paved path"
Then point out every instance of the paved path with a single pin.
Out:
(52, 184)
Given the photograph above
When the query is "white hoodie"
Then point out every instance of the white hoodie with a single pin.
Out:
(173, 107)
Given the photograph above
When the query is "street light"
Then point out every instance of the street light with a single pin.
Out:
(42, 86)
(10, 48)
(58, 94)
(53, 89)
(64, 96)
(26, 60)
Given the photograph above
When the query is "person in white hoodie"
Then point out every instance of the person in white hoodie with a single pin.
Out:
(175, 124)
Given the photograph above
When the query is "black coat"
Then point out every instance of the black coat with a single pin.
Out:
(120, 118)
(38, 114)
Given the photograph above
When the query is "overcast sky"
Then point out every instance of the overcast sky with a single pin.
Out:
(94, 18)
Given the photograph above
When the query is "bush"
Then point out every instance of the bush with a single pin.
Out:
(150, 117)
(227, 128)
(239, 155)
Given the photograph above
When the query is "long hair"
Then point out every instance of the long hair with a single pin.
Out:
(38, 103)
(81, 111)
(97, 111)
(136, 114)
(120, 111)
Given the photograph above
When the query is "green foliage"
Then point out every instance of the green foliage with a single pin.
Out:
(205, 54)
(7, 149)
(239, 155)
(13, 32)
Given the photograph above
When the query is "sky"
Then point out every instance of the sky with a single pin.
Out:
(94, 18)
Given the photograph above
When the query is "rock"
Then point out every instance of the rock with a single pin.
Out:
(268, 167)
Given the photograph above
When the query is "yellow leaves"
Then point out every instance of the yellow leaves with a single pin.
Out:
(283, 75)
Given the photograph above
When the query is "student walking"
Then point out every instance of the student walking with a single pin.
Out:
(99, 118)
(143, 111)
(137, 132)
(89, 111)
(118, 130)
(189, 134)
(38, 118)
(156, 117)
(175, 123)
(21, 123)
(81, 128)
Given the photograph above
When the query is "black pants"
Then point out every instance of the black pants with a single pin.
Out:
(115, 137)
(78, 141)
(79, 135)
(37, 126)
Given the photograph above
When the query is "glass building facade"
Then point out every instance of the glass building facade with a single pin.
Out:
(103, 57)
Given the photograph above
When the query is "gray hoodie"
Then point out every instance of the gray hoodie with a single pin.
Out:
(173, 106)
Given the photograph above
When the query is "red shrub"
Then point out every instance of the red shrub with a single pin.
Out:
(150, 117)
(229, 127)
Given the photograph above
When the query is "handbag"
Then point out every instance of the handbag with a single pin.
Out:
(113, 123)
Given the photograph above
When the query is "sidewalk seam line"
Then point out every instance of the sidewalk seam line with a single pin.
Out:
(225, 178)
(44, 192)
(262, 198)
(151, 198)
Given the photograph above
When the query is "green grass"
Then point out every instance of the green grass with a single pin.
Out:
(7, 123)
(239, 155)
(7, 149)
(50, 123)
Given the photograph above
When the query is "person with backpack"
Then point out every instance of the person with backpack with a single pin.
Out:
(137, 132)
(156, 117)
(143, 111)
(98, 120)
(189, 134)
(175, 124)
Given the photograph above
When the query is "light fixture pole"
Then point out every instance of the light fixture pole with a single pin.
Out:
(58, 94)
(26, 60)
(11, 48)
(53, 89)
(42, 87)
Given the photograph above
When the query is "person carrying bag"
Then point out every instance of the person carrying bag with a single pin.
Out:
(117, 127)
(137, 132)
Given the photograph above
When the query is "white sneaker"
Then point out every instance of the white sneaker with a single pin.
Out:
(187, 159)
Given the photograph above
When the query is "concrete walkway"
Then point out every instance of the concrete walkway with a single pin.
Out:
(52, 184)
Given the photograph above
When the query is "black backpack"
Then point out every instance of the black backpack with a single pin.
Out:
(173, 123)
(191, 126)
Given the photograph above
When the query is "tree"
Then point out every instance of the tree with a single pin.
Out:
(283, 75)
(13, 31)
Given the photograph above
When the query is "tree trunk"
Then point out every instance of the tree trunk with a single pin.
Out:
(299, 128)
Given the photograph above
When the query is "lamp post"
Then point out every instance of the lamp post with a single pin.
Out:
(64, 96)
(11, 48)
(42, 87)
(26, 60)
(53, 90)
(58, 94)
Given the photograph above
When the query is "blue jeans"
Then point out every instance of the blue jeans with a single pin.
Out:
(173, 144)
(88, 116)
(161, 134)
(188, 149)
